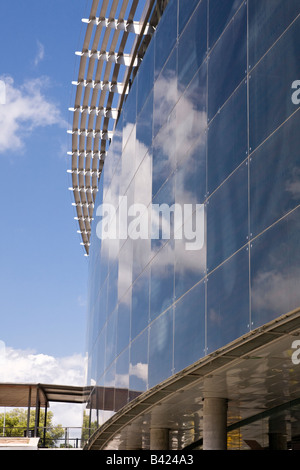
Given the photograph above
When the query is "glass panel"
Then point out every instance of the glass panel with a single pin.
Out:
(99, 355)
(162, 280)
(275, 270)
(129, 113)
(101, 307)
(122, 380)
(189, 328)
(162, 215)
(144, 130)
(191, 122)
(190, 177)
(145, 76)
(125, 268)
(186, 8)
(143, 182)
(112, 296)
(128, 162)
(227, 64)
(166, 36)
(164, 154)
(140, 304)
(228, 301)
(190, 252)
(220, 14)
(138, 367)
(227, 218)
(275, 176)
(111, 338)
(165, 93)
(109, 390)
(123, 324)
(161, 348)
(141, 255)
(192, 45)
(270, 86)
(227, 139)
(267, 21)
(103, 264)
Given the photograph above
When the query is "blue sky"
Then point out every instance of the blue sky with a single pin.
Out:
(43, 271)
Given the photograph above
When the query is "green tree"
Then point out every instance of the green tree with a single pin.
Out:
(87, 431)
(14, 424)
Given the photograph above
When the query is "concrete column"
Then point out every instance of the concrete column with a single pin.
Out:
(277, 433)
(133, 439)
(214, 423)
(159, 439)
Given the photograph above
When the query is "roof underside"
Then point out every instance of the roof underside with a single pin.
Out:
(24, 395)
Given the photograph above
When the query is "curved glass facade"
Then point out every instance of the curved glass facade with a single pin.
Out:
(211, 125)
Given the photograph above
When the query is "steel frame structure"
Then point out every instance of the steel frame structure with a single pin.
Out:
(105, 72)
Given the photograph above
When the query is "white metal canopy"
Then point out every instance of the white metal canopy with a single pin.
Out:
(109, 54)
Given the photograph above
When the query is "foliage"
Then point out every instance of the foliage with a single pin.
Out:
(14, 424)
(87, 428)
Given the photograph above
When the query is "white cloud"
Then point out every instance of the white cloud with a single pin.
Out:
(25, 110)
(40, 53)
(26, 366)
(19, 366)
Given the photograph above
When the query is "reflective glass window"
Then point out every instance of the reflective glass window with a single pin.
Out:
(186, 8)
(189, 328)
(270, 86)
(140, 304)
(227, 64)
(145, 76)
(227, 139)
(122, 380)
(220, 14)
(227, 218)
(101, 306)
(192, 45)
(144, 130)
(103, 265)
(129, 113)
(162, 215)
(141, 255)
(190, 252)
(164, 154)
(123, 322)
(111, 338)
(191, 122)
(125, 268)
(161, 348)
(162, 280)
(109, 387)
(138, 366)
(228, 301)
(99, 355)
(267, 21)
(165, 93)
(128, 162)
(275, 270)
(190, 177)
(143, 181)
(166, 36)
(275, 176)
(112, 296)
